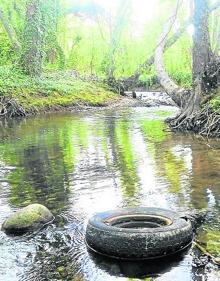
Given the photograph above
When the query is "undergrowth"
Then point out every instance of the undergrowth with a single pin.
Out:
(51, 90)
(215, 102)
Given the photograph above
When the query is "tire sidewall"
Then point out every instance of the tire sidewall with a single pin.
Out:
(146, 243)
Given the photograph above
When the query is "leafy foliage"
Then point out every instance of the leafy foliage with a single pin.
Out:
(91, 39)
(51, 90)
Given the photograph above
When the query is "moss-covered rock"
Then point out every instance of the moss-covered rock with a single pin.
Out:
(27, 219)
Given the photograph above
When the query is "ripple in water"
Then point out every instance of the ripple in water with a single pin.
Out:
(79, 164)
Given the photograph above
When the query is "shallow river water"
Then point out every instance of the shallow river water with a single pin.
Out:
(80, 163)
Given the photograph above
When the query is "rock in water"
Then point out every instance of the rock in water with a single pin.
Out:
(27, 219)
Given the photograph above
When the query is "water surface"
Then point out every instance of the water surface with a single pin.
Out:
(80, 163)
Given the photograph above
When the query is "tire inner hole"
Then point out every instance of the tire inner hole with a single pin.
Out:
(138, 221)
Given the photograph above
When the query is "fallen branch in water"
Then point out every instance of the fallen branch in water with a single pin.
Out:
(206, 253)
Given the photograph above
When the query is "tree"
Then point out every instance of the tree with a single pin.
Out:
(33, 39)
(132, 80)
(202, 54)
(173, 90)
(116, 28)
(205, 73)
(53, 50)
(10, 31)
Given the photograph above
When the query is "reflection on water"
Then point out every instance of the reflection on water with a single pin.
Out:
(80, 163)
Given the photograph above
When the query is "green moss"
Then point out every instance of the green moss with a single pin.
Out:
(213, 242)
(215, 101)
(210, 239)
(62, 271)
(27, 218)
(52, 90)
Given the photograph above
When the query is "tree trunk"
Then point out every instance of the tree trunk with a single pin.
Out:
(10, 31)
(33, 39)
(205, 72)
(201, 40)
(201, 54)
(172, 40)
(172, 89)
(201, 59)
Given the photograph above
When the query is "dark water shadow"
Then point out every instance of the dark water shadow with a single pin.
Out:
(139, 268)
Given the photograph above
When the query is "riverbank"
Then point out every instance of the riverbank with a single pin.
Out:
(22, 95)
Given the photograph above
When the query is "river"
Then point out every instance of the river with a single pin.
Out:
(80, 163)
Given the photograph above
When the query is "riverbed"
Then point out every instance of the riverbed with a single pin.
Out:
(81, 163)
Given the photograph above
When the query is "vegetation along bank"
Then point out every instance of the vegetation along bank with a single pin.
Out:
(48, 48)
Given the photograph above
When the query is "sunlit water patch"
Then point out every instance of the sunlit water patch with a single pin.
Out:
(77, 164)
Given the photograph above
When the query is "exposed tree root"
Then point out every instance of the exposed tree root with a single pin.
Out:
(205, 122)
(10, 108)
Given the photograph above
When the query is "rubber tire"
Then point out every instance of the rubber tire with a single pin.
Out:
(142, 243)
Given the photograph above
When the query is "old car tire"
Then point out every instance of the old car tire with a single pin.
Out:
(141, 233)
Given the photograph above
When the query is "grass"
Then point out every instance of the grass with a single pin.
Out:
(59, 89)
(215, 101)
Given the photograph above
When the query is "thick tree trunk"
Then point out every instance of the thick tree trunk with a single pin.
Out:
(10, 31)
(33, 39)
(201, 40)
(205, 71)
(201, 59)
(201, 55)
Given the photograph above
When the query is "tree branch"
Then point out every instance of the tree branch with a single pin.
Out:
(172, 89)
(170, 42)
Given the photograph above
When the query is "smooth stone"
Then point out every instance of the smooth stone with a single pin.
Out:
(28, 219)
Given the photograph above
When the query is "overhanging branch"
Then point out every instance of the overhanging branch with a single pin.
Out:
(172, 40)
